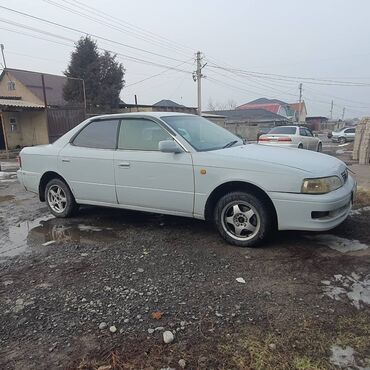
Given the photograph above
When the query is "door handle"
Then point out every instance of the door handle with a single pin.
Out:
(124, 164)
(66, 160)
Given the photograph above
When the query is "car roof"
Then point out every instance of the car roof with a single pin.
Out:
(142, 114)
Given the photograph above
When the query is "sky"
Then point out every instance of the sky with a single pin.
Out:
(244, 44)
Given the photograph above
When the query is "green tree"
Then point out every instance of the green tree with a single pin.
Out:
(102, 73)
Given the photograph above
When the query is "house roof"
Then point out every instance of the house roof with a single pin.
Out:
(273, 107)
(19, 104)
(32, 80)
(166, 103)
(255, 115)
(267, 101)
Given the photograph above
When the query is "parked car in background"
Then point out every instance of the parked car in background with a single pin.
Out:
(185, 165)
(343, 135)
(292, 137)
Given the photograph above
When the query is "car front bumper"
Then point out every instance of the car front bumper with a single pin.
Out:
(314, 212)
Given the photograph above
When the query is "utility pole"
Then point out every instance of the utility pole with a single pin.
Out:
(300, 102)
(197, 76)
(2, 52)
(331, 109)
(344, 110)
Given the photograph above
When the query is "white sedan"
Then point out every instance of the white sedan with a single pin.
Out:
(185, 165)
(292, 137)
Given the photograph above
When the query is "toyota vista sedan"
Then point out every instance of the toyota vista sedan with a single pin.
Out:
(292, 137)
(185, 165)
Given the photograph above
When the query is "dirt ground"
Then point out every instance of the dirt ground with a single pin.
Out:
(303, 303)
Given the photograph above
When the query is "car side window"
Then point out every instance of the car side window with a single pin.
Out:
(308, 132)
(350, 131)
(302, 131)
(100, 134)
(141, 134)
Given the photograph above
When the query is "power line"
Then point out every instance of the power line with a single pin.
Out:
(126, 24)
(104, 22)
(89, 34)
(128, 57)
(278, 77)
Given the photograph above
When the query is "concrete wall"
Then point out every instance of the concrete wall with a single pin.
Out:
(31, 128)
(20, 90)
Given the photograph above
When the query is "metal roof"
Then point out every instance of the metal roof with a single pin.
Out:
(19, 104)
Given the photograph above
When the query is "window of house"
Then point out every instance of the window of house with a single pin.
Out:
(141, 134)
(11, 86)
(98, 134)
(13, 124)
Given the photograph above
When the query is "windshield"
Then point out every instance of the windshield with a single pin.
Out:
(283, 130)
(202, 134)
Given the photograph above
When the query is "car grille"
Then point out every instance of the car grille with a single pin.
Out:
(344, 176)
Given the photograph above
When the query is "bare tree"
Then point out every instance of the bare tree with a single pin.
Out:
(214, 106)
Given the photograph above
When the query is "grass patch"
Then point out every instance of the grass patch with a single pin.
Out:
(303, 345)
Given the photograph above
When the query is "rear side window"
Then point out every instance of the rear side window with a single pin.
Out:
(98, 134)
(283, 130)
(350, 131)
(302, 132)
(141, 134)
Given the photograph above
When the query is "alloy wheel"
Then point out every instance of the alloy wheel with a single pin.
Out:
(240, 220)
(57, 199)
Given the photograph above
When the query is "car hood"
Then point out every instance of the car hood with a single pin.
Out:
(317, 164)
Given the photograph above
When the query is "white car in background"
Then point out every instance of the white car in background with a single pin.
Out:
(185, 165)
(292, 137)
(343, 135)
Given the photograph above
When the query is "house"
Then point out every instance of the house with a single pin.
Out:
(316, 123)
(247, 123)
(300, 111)
(33, 110)
(295, 112)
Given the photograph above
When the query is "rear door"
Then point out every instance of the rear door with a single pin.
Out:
(147, 178)
(312, 141)
(350, 134)
(87, 162)
(304, 138)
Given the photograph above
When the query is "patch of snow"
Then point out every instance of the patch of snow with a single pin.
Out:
(82, 227)
(353, 287)
(240, 280)
(355, 212)
(339, 244)
(342, 357)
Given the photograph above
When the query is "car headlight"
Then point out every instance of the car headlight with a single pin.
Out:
(321, 185)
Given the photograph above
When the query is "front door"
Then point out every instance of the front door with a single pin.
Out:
(87, 163)
(148, 179)
(2, 136)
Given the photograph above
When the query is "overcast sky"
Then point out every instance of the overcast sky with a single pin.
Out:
(323, 39)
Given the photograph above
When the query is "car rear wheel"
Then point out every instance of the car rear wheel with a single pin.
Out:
(300, 146)
(319, 147)
(243, 219)
(59, 198)
(342, 140)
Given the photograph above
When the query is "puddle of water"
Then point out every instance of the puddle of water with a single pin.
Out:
(353, 287)
(6, 198)
(47, 230)
(337, 243)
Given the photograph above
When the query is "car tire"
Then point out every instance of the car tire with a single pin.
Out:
(319, 147)
(243, 219)
(60, 199)
(300, 146)
(342, 140)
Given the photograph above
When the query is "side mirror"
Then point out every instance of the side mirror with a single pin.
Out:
(169, 146)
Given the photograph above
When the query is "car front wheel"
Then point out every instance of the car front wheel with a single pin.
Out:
(342, 140)
(59, 198)
(243, 219)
